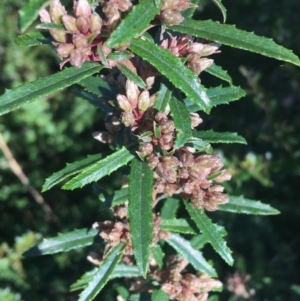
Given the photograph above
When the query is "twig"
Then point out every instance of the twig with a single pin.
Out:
(17, 170)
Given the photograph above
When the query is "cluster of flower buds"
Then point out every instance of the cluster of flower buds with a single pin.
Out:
(135, 104)
(170, 11)
(75, 42)
(195, 53)
(183, 286)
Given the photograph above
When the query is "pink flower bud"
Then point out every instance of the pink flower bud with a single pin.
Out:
(195, 48)
(123, 102)
(95, 23)
(127, 118)
(44, 16)
(143, 101)
(58, 35)
(150, 81)
(209, 49)
(146, 149)
(132, 92)
(64, 49)
(216, 188)
(57, 10)
(196, 120)
(77, 58)
(124, 5)
(205, 63)
(79, 40)
(82, 8)
(83, 24)
(224, 176)
(70, 24)
(171, 17)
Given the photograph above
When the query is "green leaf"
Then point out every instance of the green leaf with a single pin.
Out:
(159, 295)
(200, 145)
(120, 55)
(215, 137)
(239, 204)
(51, 26)
(83, 281)
(222, 8)
(198, 241)
(182, 122)
(218, 96)
(70, 170)
(29, 13)
(188, 13)
(169, 208)
(103, 274)
(13, 99)
(135, 23)
(217, 71)
(132, 76)
(173, 68)
(210, 231)
(231, 36)
(140, 212)
(192, 255)
(124, 270)
(33, 39)
(162, 98)
(158, 255)
(118, 198)
(100, 169)
(177, 225)
(64, 242)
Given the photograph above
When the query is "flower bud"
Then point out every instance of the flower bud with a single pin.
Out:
(124, 5)
(171, 17)
(57, 10)
(77, 58)
(70, 24)
(209, 49)
(224, 176)
(132, 93)
(95, 23)
(146, 149)
(152, 161)
(58, 35)
(124, 103)
(64, 49)
(167, 126)
(127, 118)
(80, 40)
(205, 63)
(83, 24)
(150, 81)
(143, 101)
(216, 188)
(195, 48)
(44, 16)
(196, 120)
(82, 8)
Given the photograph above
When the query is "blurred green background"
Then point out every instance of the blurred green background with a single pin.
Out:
(43, 136)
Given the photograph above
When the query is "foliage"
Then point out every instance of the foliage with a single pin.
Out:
(199, 98)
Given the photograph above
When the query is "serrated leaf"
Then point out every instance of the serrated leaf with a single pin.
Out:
(64, 242)
(13, 99)
(83, 281)
(140, 212)
(51, 26)
(101, 277)
(70, 170)
(162, 98)
(125, 271)
(200, 145)
(169, 208)
(210, 231)
(158, 255)
(131, 76)
(216, 137)
(100, 169)
(159, 295)
(193, 256)
(135, 23)
(29, 13)
(222, 8)
(217, 71)
(182, 122)
(120, 56)
(218, 96)
(33, 39)
(99, 87)
(239, 204)
(179, 225)
(173, 68)
(231, 36)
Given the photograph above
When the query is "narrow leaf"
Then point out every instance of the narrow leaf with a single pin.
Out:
(124, 270)
(200, 145)
(173, 68)
(132, 76)
(140, 212)
(222, 8)
(101, 277)
(29, 13)
(163, 98)
(100, 169)
(182, 122)
(231, 36)
(118, 198)
(169, 208)
(215, 137)
(177, 225)
(51, 26)
(13, 99)
(83, 281)
(193, 256)
(159, 295)
(210, 231)
(33, 39)
(120, 56)
(64, 242)
(239, 204)
(217, 71)
(136, 21)
(158, 255)
(70, 170)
